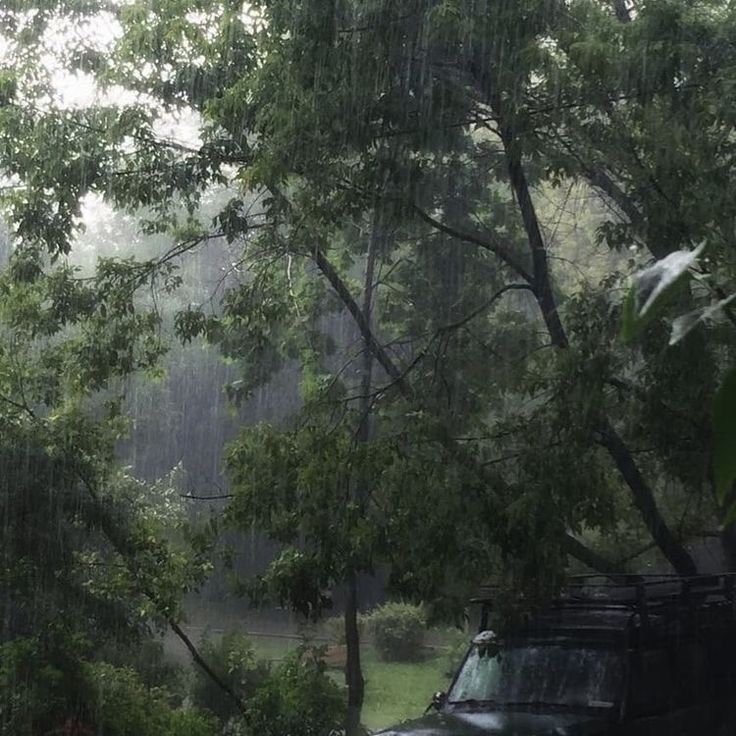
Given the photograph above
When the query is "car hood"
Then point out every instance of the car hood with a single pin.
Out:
(498, 723)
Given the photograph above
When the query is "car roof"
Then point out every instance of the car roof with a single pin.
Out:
(595, 607)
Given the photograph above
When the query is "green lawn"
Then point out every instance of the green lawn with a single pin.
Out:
(394, 691)
(397, 691)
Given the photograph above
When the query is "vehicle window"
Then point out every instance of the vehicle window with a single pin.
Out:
(555, 675)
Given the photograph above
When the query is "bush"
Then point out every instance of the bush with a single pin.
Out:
(45, 688)
(146, 656)
(41, 681)
(398, 631)
(298, 698)
(123, 706)
(232, 658)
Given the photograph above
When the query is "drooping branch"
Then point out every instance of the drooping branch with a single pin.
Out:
(122, 544)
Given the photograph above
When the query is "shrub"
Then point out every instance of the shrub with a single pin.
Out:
(124, 706)
(41, 681)
(191, 722)
(232, 658)
(44, 688)
(398, 631)
(298, 698)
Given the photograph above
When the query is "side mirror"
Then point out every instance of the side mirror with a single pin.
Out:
(438, 700)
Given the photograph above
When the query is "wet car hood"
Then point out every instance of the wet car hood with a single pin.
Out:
(499, 723)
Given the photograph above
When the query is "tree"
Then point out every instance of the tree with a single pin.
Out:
(508, 420)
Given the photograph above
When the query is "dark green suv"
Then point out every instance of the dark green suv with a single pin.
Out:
(634, 657)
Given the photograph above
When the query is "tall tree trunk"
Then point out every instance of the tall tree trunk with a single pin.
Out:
(353, 672)
(641, 493)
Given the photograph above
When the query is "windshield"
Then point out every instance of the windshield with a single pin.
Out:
(550, 675)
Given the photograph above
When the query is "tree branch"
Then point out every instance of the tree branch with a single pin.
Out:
(675, 552)
(601, 179)
(496, 248)
(127, 551)
(590, 558)
(541, 277)
(642, 494)
(483, 307)
(206, 498)
(375, 347)
(22, 407)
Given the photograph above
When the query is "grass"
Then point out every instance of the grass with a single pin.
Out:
(394, 691)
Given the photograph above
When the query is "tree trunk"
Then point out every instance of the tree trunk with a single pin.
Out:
(353, 671)
(641, 493)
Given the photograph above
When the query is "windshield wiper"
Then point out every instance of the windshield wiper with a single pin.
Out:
(538, 704)
(473, 702)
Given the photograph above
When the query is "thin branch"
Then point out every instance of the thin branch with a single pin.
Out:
(192, 497)
(486, 305)
(18, 405)
(496, 248)
(372, 343)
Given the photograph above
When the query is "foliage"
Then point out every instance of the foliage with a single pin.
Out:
(45, 684)
(500, 422)
(121, 705)
(41, 681)
(648, 297)
(232, 657)
(398, 631)
(298, 698)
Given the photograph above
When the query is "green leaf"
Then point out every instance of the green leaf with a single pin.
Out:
(683, 325)
(652, 288)
(724, 429)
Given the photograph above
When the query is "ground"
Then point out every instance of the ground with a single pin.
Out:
(397, 691)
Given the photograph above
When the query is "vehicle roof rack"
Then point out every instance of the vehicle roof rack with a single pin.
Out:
(647, 595)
